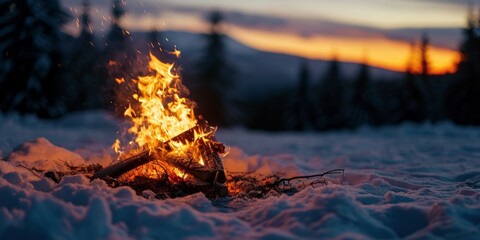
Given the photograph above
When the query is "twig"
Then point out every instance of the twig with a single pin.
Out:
(32, 170)
(286, 181)
(251, 186)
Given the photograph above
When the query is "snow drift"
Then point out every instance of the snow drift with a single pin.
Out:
(410, 181)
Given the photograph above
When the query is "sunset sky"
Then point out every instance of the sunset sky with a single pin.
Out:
(380, 32)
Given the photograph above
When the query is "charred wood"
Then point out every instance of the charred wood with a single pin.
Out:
(124, 165)
(140, 158)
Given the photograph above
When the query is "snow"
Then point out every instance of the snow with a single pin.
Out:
(41, 154)
(409, 181)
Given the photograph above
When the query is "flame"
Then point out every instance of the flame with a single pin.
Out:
(200, 161)
(116, 146)
(120, 80)
(176, 53)
(129, 112)
(163, 114)
(179, 173)
(159, 112)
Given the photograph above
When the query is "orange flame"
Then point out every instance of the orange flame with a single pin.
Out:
(162, 114)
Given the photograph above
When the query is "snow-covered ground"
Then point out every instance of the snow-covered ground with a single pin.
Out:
(408, 181)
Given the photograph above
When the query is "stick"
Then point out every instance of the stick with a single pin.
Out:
(141, 158)
(124, 166)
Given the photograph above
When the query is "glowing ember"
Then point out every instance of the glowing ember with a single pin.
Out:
(160, 112)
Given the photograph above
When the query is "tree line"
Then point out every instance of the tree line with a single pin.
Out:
(333, 101)
(46, 72)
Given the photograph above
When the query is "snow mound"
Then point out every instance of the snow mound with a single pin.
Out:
(403, 182)
(282, 164)
(42, 154)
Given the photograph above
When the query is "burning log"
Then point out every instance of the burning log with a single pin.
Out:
(202, 172)
(208, 177)
(142, 157)
(210, 172)
(125, 165)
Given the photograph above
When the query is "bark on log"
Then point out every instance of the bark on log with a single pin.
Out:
(212, 160)
(142, 157)
(191, 166)
(207, 178)
(212, 172)
(125, 165)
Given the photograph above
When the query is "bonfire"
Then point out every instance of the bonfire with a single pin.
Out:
(171, 146)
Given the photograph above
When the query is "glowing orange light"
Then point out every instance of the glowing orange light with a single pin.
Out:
(161, 113)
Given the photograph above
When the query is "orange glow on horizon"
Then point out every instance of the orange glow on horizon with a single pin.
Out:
(376, 51)
(379, 52)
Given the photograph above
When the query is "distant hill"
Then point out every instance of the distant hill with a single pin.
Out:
(256, 71)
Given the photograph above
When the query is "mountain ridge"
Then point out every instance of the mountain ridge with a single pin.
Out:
(256, 70)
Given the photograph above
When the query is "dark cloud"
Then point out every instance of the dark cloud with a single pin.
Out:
(298, 26)
(441, 37)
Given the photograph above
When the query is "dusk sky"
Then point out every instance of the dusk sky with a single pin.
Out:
(377, 31)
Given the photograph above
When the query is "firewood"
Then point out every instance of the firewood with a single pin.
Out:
(211, 172)
(207, 178)
(125, 165)
(212, 159)
(202, 172)
(143, 156)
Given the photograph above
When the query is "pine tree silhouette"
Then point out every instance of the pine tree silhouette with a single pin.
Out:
(119, 58)
(118, 46)
(462, 101)
(331, 99)
(432, 94)
(362, 108)
(212, 91)
(86, 28)
(424, 61)
(85, 69)
(31, 60)
(300, 114)
(413, 100)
